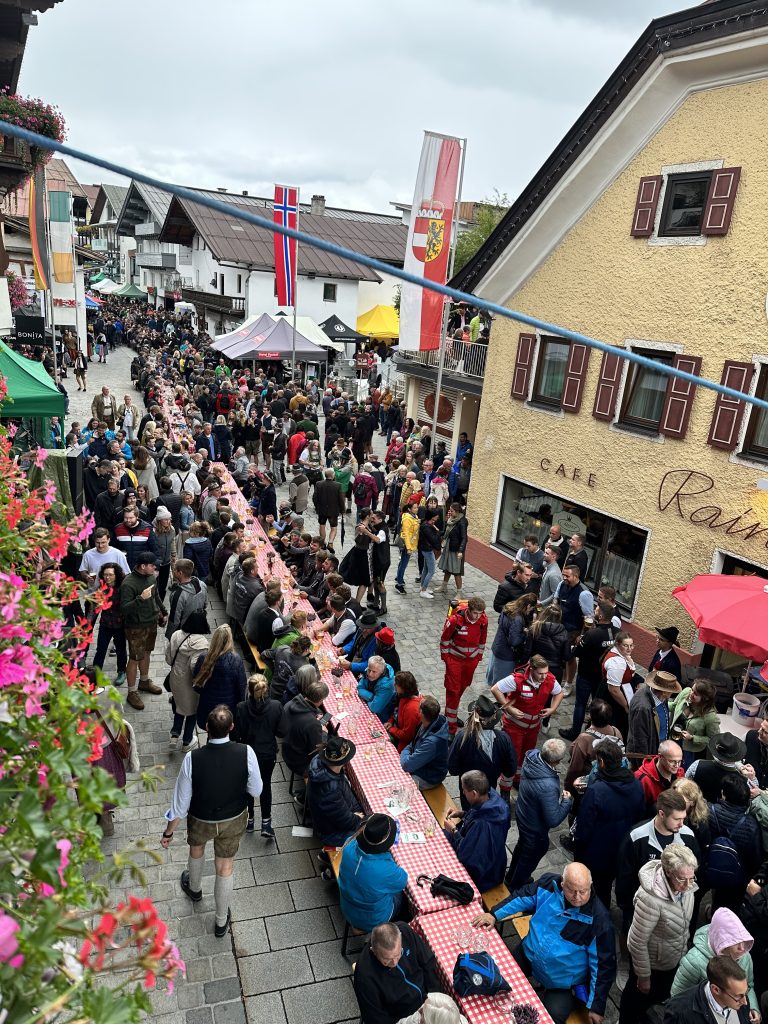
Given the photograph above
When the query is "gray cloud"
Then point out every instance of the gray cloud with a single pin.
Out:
(332, 97)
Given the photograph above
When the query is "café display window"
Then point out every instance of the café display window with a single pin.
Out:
(615, 549)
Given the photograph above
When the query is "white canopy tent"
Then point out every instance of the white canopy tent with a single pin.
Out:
(106, 287)
(310, 329)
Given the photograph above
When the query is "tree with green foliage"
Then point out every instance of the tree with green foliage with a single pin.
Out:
(488, 213)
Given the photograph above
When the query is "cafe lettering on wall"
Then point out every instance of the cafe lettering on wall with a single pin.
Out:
(576, 473)
(681, 489)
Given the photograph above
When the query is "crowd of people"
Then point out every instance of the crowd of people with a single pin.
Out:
(662, 807)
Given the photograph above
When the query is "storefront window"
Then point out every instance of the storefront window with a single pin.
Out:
(615, 548)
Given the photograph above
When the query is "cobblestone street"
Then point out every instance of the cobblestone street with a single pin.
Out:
(282, 961)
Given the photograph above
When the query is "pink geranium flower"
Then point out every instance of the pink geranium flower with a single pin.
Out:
(8, 941)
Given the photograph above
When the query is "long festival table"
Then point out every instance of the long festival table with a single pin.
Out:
(374, 773)
(441, 932)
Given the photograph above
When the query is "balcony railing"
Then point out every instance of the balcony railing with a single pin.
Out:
(225, 303)
(149, 229)
(461, 358)
(159, 260)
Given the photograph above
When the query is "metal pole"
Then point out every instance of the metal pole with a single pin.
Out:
(441, 361)
(295, 288)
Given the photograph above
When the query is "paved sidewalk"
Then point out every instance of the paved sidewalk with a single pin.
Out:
(282, 962)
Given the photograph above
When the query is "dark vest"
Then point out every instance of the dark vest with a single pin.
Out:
(709, 777)
(219, 781)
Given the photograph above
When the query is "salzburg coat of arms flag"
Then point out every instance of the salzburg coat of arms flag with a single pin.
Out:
(285, 211)
(429, 241)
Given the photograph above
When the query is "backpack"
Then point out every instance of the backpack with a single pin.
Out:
(361, 492)
(224, 402)
(723, 862)
(477, 974)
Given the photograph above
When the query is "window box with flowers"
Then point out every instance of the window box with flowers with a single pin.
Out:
(19, 160)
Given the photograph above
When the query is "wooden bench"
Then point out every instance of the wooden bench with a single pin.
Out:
(260, 664)
(440, 802)
(334, 855)
(496, 895)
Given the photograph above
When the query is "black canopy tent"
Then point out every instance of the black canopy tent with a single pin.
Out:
(337, 330)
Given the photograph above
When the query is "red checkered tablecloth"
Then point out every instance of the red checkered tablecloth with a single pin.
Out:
(369, 776)
(439, 931)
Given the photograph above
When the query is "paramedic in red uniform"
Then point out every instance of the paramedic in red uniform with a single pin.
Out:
(461, 647)
(523, 696)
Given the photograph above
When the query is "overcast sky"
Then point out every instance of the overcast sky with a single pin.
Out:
(330, 96)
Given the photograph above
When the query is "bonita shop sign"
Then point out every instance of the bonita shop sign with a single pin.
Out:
(681, 489)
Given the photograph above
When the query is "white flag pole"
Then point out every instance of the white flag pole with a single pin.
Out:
(452, 260)
(295, 287)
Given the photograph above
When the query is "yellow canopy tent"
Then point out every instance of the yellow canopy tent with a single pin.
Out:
(379, 322)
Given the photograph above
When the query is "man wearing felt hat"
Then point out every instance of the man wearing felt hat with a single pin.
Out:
(666, 657)
(727, 753)
(335, 809)
(371, 884)
(649, 715)
(372, 637)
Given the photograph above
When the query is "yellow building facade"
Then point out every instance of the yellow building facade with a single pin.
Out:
(657, 507)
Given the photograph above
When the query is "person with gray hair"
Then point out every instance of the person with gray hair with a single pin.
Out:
(394, 974)
(479, 835)
(658, 935)
(540, 807)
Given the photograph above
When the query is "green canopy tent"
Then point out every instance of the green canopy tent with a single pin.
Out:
(32, 397)
(31, 392)
(131, 291)
(95, 278)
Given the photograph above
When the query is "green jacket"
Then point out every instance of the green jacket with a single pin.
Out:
(136, 613)
(700, 728)
(693, 967)
(758, 808)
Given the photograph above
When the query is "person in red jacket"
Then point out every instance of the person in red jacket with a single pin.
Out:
(523, 696)
(405, 720)
(296, 444)
(461, 647)
(658, 773)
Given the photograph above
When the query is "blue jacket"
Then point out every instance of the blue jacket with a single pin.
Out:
(566, 945)
(608, 811)
(332, 803)
(539, 807)
(480, 841)
(427, 753)
(379, 696)
(226, 685)
(368, 648)
(368, 885)
(508, 644)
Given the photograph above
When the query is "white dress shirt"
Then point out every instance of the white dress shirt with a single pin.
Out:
(182, 793)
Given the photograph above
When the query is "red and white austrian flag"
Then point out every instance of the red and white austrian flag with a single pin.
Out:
(429, 241)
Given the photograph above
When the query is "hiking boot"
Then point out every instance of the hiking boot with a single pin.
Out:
(266, 829)
(133, 698)
(147, 686)
(220, 930)
(188, 890)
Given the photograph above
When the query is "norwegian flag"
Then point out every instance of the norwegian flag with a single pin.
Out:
(285, 212)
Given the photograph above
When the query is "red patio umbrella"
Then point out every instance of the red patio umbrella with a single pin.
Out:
(730, 612)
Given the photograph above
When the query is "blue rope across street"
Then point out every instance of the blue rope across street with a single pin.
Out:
(237, 213)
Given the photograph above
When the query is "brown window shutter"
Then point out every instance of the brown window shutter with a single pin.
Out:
(523, 363)
(722, 196)
(607, 387)
(575, 375)
(679, 398)
(726, 419)
(645, 206)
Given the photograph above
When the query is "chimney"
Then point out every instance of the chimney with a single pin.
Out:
(318, 206)
(245, 191)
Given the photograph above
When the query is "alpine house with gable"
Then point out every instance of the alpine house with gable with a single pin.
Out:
(645, 229)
